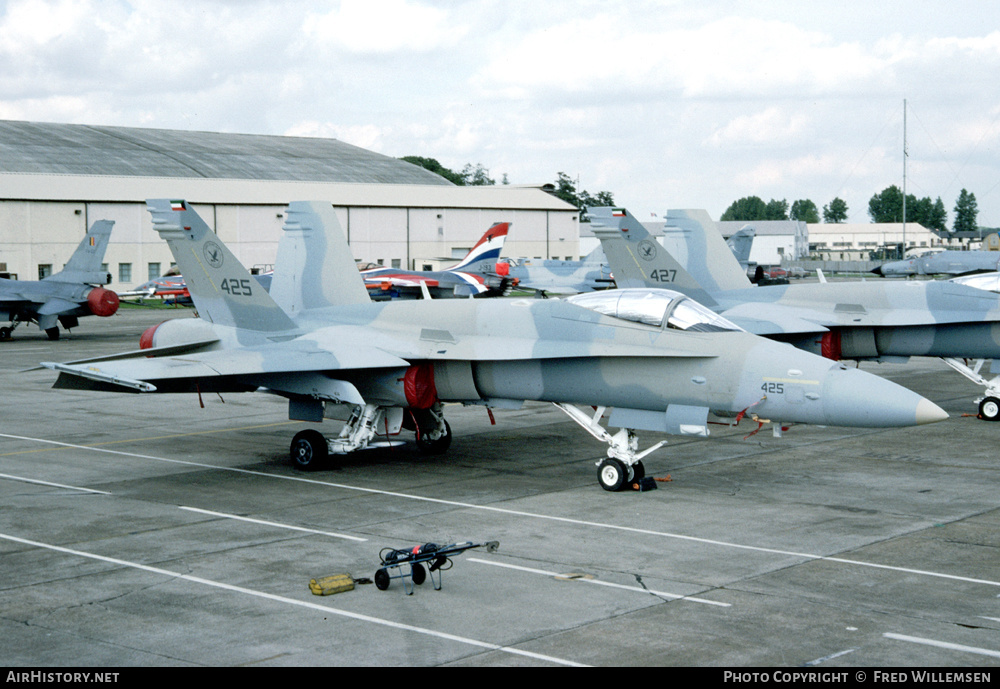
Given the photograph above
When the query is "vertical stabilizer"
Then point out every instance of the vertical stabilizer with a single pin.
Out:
(635, 257)
(314, 267)
(222, 289)
(84, 266)
(694, 240)
(488, 247)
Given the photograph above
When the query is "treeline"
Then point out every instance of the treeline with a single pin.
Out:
(471, 176)
(884, 207)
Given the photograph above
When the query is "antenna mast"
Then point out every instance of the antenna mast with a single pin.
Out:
(905, 155)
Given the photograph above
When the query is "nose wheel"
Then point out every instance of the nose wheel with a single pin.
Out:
(614, 474)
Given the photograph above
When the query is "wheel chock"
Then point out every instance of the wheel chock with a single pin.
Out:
(336, 583)
(644, 484)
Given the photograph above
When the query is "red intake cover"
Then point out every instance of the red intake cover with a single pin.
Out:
(146, 339)
(102, 302)
(418, 384)
(503, 268)
(830, 345)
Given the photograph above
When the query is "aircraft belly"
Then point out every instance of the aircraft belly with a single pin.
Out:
(634, 383)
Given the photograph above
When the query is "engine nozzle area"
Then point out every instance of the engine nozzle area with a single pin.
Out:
(102, 302)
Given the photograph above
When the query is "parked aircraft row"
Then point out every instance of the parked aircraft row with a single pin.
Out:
(873, 320)
(654, 358)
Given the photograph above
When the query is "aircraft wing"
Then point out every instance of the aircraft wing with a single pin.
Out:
(286, 366)
(763, 319)
(56, 306)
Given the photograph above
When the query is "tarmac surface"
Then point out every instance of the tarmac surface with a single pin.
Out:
(145, 530)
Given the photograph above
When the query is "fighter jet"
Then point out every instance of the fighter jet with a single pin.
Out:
(558, 277)
(658, 359)
(473, 276)
(875, 320)
(942, 263)
(64, 297)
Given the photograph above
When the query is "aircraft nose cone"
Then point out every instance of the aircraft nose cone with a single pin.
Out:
(878, 271)
(855, 398)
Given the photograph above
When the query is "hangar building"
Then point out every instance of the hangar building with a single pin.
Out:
(56, 179)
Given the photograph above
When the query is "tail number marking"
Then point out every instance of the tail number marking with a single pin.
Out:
(663, 275)
(236, 288)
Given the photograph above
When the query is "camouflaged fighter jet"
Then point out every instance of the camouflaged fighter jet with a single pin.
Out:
(660, 360)
(558, 277)
(64, 297)
(875, 320)
(942, 263)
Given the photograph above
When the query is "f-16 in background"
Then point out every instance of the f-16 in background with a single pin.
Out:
(942, 263)
(64, 297)
(658, 360)
(875, 320)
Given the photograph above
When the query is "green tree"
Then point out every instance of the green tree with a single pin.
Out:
(886, 206)
(836, 211)
(476, 176)
(930, 214)
(566, 190)
(805, 211)
(754, 208)
(747, 208)
(966, 211)
(437, 168)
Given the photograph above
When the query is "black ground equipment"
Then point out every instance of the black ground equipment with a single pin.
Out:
(437, 558)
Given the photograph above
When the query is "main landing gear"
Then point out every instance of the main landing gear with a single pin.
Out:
(310, 450)
(989, 404)
(623, 465)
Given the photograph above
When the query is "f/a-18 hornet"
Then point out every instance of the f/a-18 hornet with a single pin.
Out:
(64, 297)
(658, 359)
(875, 320)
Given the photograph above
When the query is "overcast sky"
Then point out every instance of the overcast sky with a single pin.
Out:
(665, 104)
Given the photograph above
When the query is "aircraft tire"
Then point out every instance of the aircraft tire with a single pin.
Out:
(435, 447)
(53, 332)
(612, 474)
(309, 450)
(989, 409)
(5, 333)
(381, 580)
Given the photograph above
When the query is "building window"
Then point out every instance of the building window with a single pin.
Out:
(153, 271)
(44, 270)
(397, 262)
(124, 272)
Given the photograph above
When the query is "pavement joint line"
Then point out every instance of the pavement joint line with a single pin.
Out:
(143, 440)
(598, 582)
(269, 523)
(532, 515)
(53, 485)
(943, 644)
(292, 601)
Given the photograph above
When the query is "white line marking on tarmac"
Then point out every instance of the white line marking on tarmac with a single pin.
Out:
(267, 523)
(639, 589)
(519, 513)
(943, 644)
(291, 601)
(819, 661)
(53, 485)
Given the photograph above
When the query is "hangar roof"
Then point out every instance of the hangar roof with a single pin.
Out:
(75, 149)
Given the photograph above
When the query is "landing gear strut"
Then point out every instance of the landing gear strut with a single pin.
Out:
(310, 450)
(989, 404)
(624, 462)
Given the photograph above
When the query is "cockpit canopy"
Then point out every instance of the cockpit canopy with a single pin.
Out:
(656, 307)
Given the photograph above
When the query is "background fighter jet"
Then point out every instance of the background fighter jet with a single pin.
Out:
(661, 361)
(875, 320)
(473, 276)
(66, 295)
(943, 263)
(558, 277)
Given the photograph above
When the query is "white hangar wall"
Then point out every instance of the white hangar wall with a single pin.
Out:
(43, 218)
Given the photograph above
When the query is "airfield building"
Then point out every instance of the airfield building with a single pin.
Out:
(56, 179)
